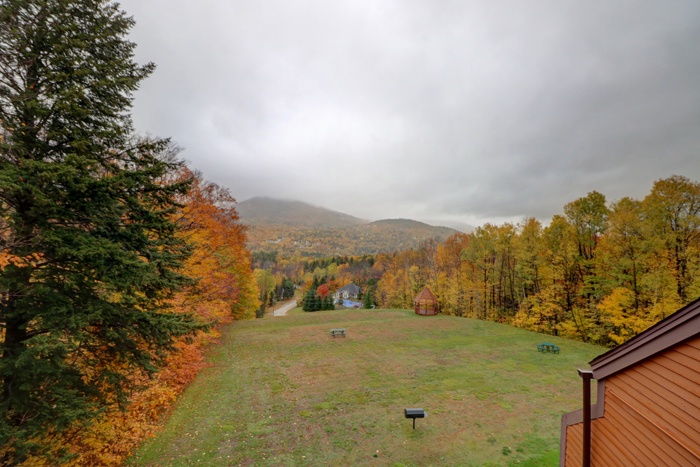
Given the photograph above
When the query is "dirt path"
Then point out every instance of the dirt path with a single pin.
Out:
(285, 307)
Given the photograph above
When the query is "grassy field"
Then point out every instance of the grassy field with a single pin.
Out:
(281, 391)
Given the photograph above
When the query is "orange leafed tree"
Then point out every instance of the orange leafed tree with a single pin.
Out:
(225, 287)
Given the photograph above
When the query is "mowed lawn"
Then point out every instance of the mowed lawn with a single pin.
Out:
(282, 391)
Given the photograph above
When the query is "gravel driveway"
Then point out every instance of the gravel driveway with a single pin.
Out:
(284, 308)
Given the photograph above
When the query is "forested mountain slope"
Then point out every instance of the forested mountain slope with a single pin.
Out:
(293, 227)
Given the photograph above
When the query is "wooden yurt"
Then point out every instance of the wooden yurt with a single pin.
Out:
(426, 303)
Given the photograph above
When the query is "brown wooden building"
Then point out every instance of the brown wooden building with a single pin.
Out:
(648, 400)
(426, 303)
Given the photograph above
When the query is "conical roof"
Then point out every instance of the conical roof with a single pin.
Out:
(425, 294)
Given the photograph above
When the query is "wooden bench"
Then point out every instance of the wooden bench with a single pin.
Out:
(548, 347)
(338, 332)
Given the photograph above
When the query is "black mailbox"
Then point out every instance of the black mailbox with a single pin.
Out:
(414, 413)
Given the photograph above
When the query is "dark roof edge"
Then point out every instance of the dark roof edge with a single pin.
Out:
(674, 329)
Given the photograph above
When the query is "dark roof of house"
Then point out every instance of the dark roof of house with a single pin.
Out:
(682, 325)
(425, 294)
(352, 288)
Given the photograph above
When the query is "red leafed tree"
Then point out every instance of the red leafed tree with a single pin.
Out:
(323, 291)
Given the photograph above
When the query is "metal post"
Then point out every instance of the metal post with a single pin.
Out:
(586, 376)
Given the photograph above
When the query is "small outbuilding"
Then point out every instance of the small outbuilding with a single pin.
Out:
(426, 303)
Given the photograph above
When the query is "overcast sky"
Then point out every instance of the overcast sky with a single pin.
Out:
(467, 111)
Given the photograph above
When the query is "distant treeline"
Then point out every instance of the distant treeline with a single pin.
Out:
(600, 273)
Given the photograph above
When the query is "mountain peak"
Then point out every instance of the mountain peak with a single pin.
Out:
(272, 211)
(400, 223)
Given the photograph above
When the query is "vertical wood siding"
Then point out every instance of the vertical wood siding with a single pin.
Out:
(652, 414)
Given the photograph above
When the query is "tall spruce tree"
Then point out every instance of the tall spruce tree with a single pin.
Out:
(309, 301)
(367, 299)
(88, 255)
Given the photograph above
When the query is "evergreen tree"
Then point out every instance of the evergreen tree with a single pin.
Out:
(88, 252)
(309, 301)
(367, 300)
(287, 288)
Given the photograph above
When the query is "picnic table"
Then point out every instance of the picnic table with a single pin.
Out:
(548, 347)
(338, 332)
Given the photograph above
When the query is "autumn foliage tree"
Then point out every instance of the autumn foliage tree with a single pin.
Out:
(599, 273)
(673, 211)
(323, 291)
(225, 286)
(266, 288)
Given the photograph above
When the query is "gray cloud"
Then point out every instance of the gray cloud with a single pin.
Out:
(466, 111)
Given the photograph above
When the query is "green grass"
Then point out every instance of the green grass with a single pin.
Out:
(281, 391)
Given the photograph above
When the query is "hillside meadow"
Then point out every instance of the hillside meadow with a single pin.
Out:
(281, 391)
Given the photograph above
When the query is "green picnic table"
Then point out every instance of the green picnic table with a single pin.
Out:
(548, 347)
